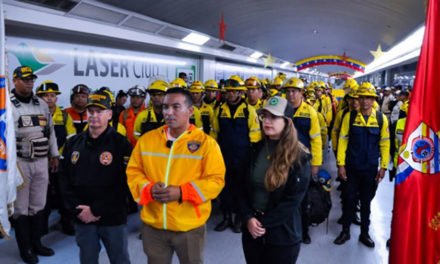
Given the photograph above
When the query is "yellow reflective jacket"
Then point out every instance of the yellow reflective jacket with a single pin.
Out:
(258, 105)
(337, 127)
(328, 116)
(63, 126)
(253, 124)
(364, 152)
(146, 121)
(400, 128)
(196, 118)
(324, 131)
(193, 162)
(306, 122)
(207, 118)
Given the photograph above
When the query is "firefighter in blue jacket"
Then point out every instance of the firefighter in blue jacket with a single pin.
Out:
(363, 139)
(237, 126)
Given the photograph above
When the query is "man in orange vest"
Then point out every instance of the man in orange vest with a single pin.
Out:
(78, 99)
(137, 104)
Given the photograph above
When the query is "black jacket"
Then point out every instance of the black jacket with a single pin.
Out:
(282, 219)
(93, 173)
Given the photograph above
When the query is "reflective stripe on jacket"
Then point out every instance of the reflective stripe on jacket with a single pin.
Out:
(235, 134)
(193, 162)
(362, 147)
(308, 129)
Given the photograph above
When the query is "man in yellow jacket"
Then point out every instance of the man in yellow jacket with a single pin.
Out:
(174, 172)
(363, 139)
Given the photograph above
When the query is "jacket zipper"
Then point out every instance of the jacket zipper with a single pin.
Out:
(166, 179)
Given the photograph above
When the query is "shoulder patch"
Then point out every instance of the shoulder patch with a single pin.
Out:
(193, 146)
(74, 157)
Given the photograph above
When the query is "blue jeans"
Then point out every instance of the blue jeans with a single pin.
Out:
(114, 239)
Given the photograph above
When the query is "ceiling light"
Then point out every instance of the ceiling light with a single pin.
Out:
(256, 55)
(195, 38)
(284, 65)
(407, 49)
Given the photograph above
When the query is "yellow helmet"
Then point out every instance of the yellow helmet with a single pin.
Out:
(273, 92)
(405, 106)
(252, 82)
(353, 93)
(294, 83)
(235, 83)
(350, 83)
(312, 85)
(110, 94)
(310, 97)
(196, 87)
(321, 86)
(48, 87)
(178, 83)
(211, 85)
(276, 81)
(158, 86)
(367, 89)
(282, 76)
(310, 89)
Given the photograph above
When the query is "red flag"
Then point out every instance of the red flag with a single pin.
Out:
(415, 234)
(222, 27)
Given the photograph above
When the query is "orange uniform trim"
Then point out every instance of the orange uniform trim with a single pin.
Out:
(146, 196)
(129, 122)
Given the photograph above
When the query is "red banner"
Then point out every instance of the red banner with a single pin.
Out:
(415, 234)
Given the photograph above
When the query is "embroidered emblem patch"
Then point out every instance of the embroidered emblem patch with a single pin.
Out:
(421, 153)
(74, 157)
(423, 149)
(106, 158)
(27, 121)
(193, 146)
(273, 101)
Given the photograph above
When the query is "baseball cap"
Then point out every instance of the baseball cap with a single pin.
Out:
(388, 89)
(278, 106)
(404, 92)
(24, 72)
(101, 99)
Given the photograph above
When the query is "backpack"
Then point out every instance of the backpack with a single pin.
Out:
(317, 201)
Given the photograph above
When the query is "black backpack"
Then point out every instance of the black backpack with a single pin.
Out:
(317, 203)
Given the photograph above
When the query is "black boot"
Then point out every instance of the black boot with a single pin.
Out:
(36, 234)
(236, 228)
(305, 236)
(343, 237)
(356, 220)
(225, 223)
(365, 239)
(67, 226)
(23, 235)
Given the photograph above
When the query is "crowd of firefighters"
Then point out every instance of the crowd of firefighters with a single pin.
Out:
(356, 127)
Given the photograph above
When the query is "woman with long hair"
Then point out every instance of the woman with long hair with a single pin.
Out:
(273, 188)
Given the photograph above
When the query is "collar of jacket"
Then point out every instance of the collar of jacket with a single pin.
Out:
(93, 142)
(165, 128)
